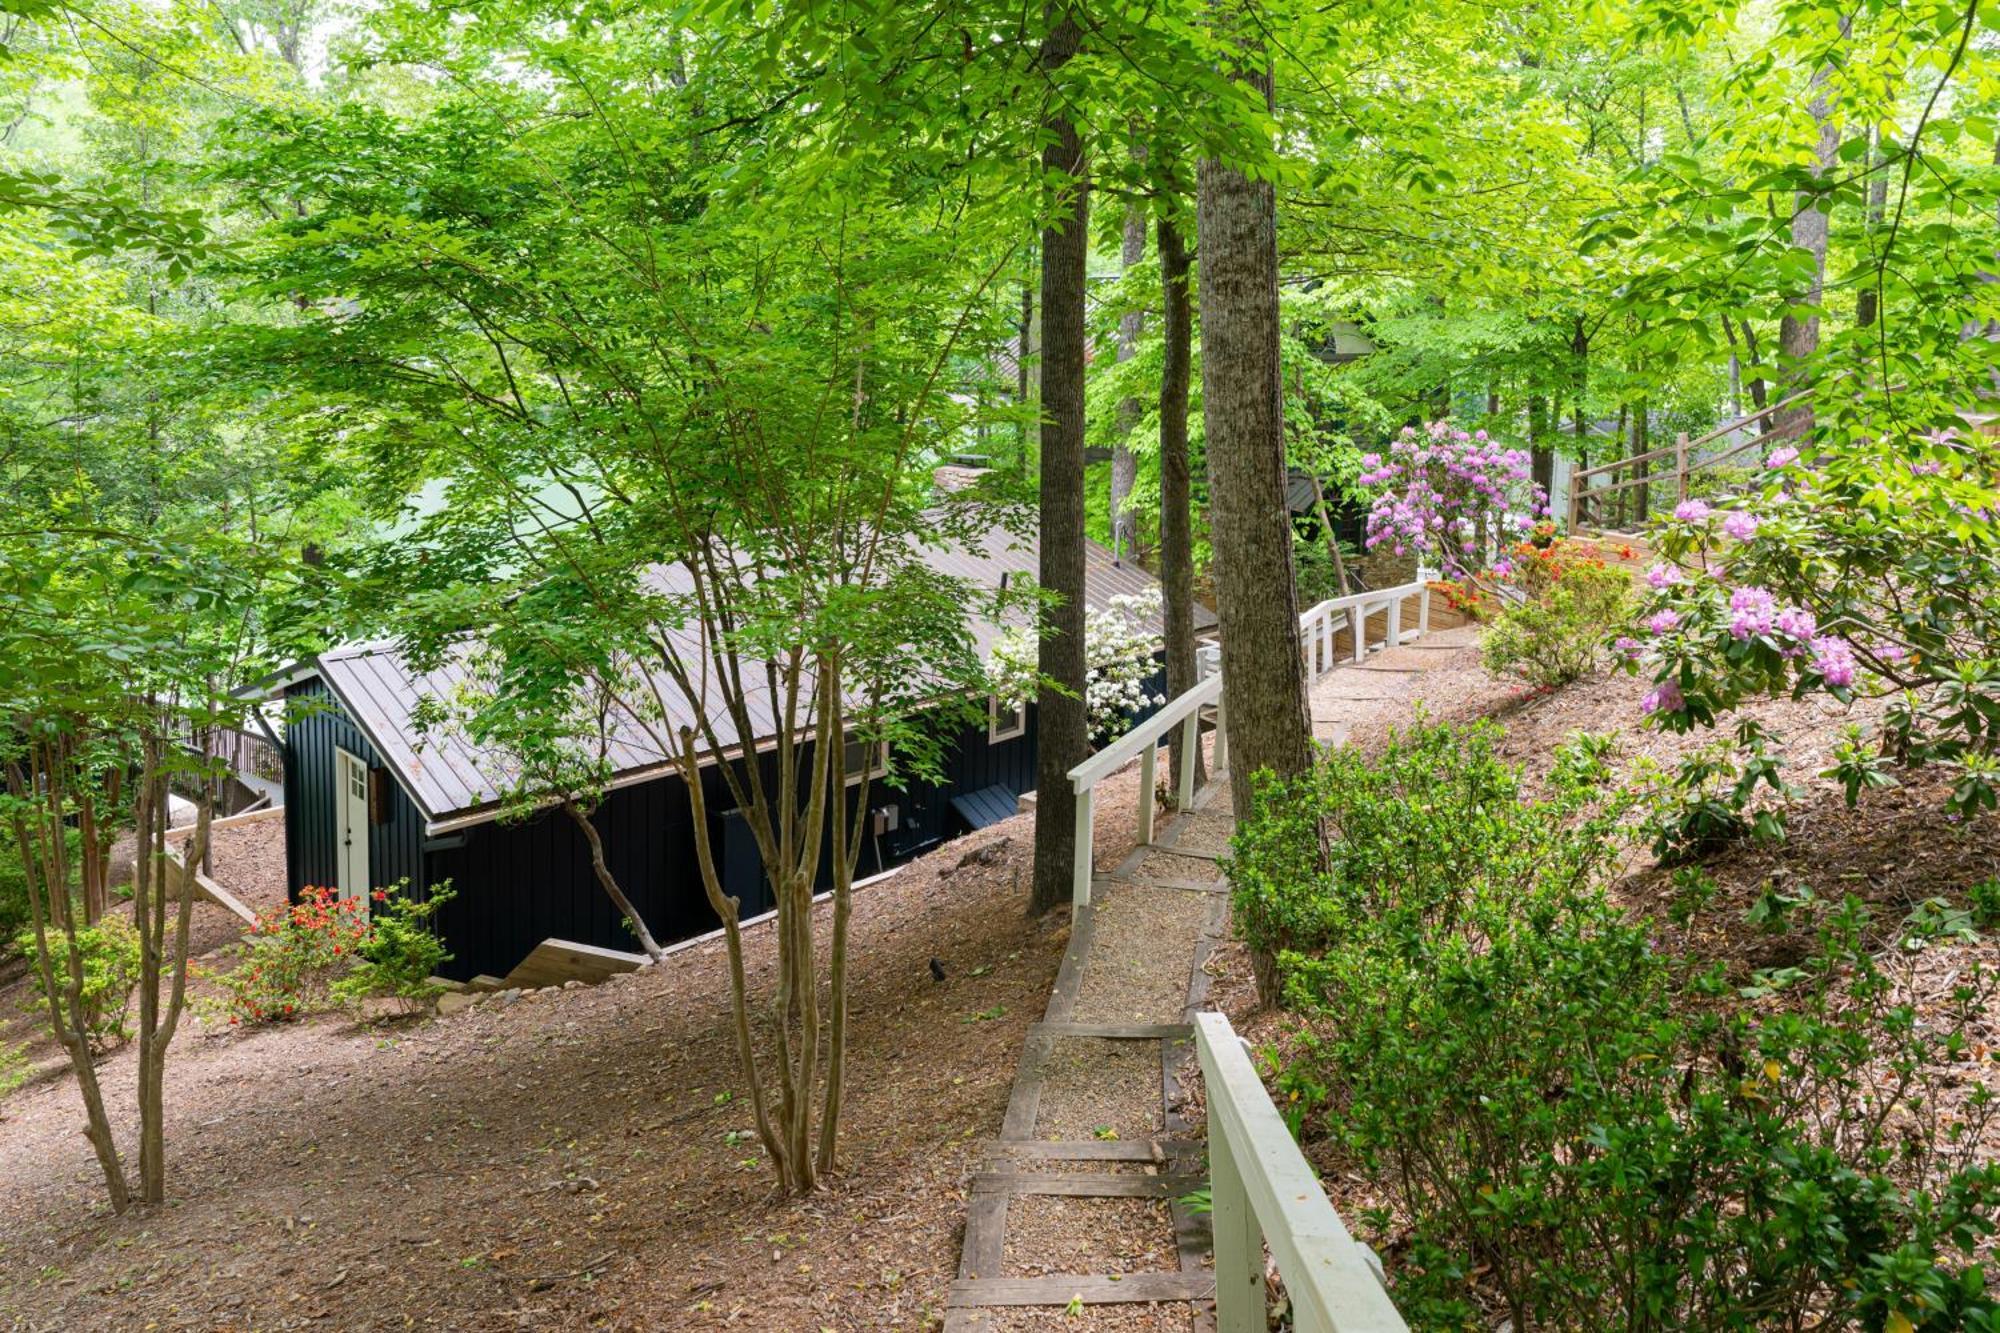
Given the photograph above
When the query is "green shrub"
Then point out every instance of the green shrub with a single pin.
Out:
(399, 954)
(1410, 832)
(1571, 603)
(1578, 1131)
(1709, 800)
(109, 953)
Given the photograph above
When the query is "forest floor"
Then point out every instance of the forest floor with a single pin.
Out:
(571, 1159)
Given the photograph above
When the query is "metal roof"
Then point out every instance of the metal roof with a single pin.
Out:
(455, 781)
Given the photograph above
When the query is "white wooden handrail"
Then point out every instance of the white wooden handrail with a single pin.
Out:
(1263, 1189)
(1143, 742)
(1317, 628)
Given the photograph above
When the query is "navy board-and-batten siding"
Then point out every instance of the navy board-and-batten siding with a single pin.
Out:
(519, 883)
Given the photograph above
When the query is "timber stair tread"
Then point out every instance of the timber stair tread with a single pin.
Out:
(1088, 1184)
(1081, 1289)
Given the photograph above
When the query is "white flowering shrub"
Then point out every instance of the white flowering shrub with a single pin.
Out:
(1118, 647)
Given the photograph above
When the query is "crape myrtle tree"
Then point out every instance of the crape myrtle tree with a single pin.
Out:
(114, 647)
(674, 356)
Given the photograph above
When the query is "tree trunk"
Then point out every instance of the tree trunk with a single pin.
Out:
(163, 959)
(1332, 538)
(1798, 335)
(1641, 436)
(1263, 679)
(1062, 722)
(1865, 302)
(1176, 483)
(1542, 458)
(1125, 464)
(609, 882)
(1024, 348)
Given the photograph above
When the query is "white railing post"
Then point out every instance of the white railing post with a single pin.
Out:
(1080, 885)
(1358, 616)
(1190, 743)
(1424, 610)
(1221, 758)
(1395, 621)
(1239, 1243)
(1148, 757)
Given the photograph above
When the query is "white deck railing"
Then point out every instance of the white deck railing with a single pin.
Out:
(1143, 743)
(1317, 628)
(1262, 1189)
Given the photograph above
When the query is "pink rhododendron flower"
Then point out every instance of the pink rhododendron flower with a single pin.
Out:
(1795, 622)
(1756, 611)
(1740, 525)
(1834, 661)
(1664, 622)
(1692, 511)
(1663, 575)
(1627, 646)
(1782, 458)
(1892, 652)
(1663, 698)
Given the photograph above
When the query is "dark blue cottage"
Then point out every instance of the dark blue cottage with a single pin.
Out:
(370, 801)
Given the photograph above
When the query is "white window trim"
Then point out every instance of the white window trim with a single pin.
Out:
(994, 732)
(879, 768)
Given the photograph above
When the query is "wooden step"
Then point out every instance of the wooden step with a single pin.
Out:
(1132, 1288)
(1087, 1185)
(1115, 1031)
(1094, 1150)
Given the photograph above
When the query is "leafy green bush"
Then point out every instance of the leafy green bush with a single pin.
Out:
(1413, 830)
(1709, 799)
(109, 953)
(1570, 603)
(1579, 1131)
(399, 954)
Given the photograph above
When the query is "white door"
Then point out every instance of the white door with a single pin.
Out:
(350, 825)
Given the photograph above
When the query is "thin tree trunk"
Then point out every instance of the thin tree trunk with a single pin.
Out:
(1263, 679)
(1332, 538)
(1641, 434)
(1798, 335)
(609, 882)
(1124, 463)
(1176, 486)
(1062, 722)
(1541, 457)
(37, 785)
(162, 961)
(1865, 302)
(1024, 348)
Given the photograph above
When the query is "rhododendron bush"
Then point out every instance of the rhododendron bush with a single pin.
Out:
(1447, 497)
(1870, 570)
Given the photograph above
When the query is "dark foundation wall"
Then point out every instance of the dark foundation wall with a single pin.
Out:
(314, 727)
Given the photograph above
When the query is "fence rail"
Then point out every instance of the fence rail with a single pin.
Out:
(1263, 1189)
(1317, 628)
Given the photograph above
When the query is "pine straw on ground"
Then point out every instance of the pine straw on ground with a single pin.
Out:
(577, 1159)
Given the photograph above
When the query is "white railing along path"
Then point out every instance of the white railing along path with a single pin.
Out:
(1262, 1189)
(1317, 628)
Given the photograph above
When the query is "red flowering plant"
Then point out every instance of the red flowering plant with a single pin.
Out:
(325, 950)
(289, 958)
